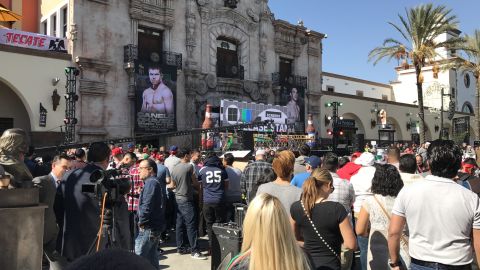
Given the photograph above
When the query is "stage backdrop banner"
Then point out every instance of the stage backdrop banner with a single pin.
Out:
(236, 112)
(155, 98)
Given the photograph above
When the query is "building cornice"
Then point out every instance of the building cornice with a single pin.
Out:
(381, 101)
(343, 77)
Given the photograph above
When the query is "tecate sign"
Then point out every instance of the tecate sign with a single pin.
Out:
(31, 40)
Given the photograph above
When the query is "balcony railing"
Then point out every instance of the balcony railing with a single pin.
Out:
(297, 80)
(130, 55)
(172, 59)
(232, 72)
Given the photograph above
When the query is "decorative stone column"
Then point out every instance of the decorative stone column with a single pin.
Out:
(93, 91)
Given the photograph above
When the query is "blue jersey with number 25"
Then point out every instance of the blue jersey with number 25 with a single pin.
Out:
(213, 182)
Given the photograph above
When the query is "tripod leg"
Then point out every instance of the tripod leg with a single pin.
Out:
(92, 250)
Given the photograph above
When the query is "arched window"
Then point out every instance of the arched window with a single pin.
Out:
(467, 108)
(227, 58)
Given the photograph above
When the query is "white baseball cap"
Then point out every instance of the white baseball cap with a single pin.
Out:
(260, 152)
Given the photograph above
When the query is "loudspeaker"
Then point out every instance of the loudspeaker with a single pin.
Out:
(227, 239)
(358, 142)
(247, 140)
(240, 211)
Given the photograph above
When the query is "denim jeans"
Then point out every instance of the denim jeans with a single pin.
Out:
(213, 213)
(363, 246)
(146, 246)
(419, 267)
(186, 222)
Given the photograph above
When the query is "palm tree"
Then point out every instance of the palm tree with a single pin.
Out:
(420, 29)
(472, 64)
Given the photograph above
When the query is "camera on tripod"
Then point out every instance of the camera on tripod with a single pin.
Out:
(111, 182)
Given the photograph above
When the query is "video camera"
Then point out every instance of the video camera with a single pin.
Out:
(112, 182)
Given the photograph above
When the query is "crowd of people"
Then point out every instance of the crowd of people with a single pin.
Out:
(401, 207)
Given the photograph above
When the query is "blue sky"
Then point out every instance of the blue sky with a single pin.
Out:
(355, 27)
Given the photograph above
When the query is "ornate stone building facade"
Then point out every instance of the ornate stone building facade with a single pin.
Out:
(230, 49)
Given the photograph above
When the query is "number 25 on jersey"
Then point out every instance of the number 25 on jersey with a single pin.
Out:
(212, 177)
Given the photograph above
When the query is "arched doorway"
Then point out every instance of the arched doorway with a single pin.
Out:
(352, 131)
(396, 126)
(358, 122)
(13, 113)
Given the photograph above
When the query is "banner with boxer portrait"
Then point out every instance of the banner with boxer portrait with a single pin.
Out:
(155, 97)
(292, 95)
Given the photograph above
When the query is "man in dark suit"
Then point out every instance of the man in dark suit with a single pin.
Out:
(48, 195)
(82, 210)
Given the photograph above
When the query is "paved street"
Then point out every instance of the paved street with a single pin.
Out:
(172, 260)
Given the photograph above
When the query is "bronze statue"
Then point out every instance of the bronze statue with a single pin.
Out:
(55, 100)
(13, 146)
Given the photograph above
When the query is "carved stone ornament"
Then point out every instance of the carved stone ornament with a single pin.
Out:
(211, 80)
(249, 86)
(255, 95)
(201, 88)
(252, 15)
(252, 89)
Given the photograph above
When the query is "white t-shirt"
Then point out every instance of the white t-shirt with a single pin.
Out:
(362, 184)
(440, 216)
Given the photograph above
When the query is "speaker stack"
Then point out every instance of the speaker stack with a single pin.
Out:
(227, 238)
(358, 142)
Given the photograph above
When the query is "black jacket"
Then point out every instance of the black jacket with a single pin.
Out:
(82, 216)
(151, 207)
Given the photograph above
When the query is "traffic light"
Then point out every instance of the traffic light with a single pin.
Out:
(328, 104)
(329, 132)
(340, 132)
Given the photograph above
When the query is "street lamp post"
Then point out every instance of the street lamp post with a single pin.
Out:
(441, 112)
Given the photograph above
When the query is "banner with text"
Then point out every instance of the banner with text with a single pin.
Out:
(32, 40)
(236, 112)
(155, 98)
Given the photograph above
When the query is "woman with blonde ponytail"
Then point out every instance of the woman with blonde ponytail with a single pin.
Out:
(323, 224)
(267, 239)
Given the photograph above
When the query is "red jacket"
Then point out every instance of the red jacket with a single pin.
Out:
(349, 170)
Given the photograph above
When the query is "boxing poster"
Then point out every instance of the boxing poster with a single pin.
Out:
(293, 97)
(155, 98)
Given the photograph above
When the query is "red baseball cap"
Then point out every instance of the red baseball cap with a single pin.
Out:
(117, 151)
(356, 154)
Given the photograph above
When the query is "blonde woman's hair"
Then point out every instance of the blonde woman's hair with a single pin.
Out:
(311, 186)
(269, 237)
